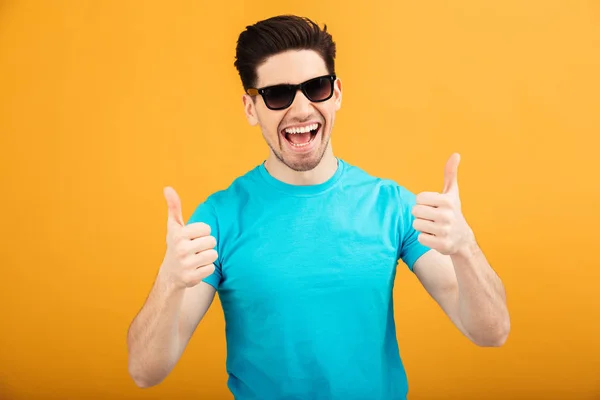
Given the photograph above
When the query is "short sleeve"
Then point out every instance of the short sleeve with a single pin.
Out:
(206, 213)
(409, 247)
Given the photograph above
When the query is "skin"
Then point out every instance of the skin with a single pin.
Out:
(455, 272)
(283, 163)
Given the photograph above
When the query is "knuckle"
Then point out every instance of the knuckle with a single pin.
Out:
(203, 228)
(182, 233)
(203, 272)
(416, 210)
(180, 252)
(209, 256)
(198, 230)
(212, 241)
(446, 216)
(208, 269)
(178, 236)
(422, 198)
(185, 263)
(444, 230)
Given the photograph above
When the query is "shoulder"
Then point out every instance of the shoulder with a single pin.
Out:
(223, 201)
(358, 178)
(238, 191)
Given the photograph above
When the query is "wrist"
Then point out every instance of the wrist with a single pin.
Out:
(468, 249)
(167, 282)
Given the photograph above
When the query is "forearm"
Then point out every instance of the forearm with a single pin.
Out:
(153, 338)
(481, 297)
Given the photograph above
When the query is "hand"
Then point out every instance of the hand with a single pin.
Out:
(438, 216)
(190, 249)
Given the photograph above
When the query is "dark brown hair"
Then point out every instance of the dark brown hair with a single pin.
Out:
(278, 34)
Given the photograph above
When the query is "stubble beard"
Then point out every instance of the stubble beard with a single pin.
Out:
(305, 162)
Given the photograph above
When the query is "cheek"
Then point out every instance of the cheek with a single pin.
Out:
(268, 130)
(328, 113)
(322, 110)
(270, 125)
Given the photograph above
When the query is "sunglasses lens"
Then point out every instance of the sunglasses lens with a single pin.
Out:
(281, 96)
(278, 96)
(319, 89)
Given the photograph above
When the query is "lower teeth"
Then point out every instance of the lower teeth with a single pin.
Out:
(303, 144)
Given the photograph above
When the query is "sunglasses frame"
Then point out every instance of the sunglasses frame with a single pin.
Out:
(294, 88)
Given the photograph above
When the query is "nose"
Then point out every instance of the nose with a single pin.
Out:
(301, 106)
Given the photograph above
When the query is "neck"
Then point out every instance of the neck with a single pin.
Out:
(321, 173)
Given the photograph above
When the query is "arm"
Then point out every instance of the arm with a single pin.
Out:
(162, 329)
(179, 298)
(455, 272)
(469, 292)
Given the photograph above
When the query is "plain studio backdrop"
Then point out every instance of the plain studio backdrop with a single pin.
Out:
(103, 103)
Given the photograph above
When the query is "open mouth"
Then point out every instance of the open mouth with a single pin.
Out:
(300, 137)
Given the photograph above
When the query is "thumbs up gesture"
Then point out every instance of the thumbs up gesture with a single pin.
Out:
(438, 216)
(190, 248)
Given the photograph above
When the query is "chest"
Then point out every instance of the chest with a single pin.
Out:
(297, 249)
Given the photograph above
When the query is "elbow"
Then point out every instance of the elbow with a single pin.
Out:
(146, 370)
(495, 340)
(138, 377)
(139, 370)
(495, 336)
(141, 383)
(142, 375)
(142, 380)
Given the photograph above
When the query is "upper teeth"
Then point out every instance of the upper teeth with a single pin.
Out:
(303, 129)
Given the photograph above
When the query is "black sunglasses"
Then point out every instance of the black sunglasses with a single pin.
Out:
(279, 97)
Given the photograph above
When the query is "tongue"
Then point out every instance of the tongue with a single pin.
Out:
(298, 138)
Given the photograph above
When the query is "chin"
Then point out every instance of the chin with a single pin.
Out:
(302, 166)
(303, 162)
(303, 159)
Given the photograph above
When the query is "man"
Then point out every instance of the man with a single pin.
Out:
(303, 248)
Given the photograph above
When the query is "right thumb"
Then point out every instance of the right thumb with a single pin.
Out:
(174, 205)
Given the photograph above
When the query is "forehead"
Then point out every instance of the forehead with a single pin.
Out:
(292, 66)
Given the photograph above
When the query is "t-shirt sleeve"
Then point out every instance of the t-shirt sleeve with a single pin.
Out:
(206, 213)
(409, 247)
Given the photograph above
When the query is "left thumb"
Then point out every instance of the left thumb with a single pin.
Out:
(450, 174)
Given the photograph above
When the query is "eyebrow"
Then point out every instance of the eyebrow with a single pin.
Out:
(278, 83)
(290, 83)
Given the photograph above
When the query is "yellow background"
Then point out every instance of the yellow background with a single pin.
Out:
(103, 103)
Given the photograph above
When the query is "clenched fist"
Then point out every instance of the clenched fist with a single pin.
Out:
(190, 248)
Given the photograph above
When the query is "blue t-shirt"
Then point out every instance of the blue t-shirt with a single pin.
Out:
(305, 277)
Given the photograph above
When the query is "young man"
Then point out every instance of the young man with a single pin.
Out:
(303, 248)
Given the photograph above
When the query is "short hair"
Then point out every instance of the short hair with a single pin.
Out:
(276, 35)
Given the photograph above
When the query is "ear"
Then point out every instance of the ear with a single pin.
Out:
(337, 94)
(250, 109)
